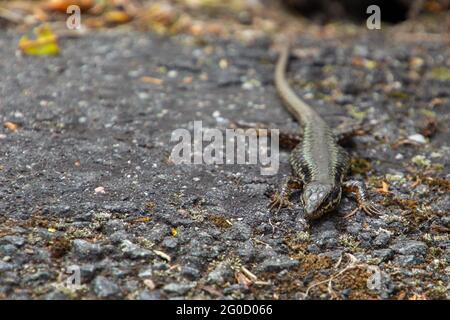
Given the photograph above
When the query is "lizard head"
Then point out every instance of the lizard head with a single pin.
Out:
(319, 198)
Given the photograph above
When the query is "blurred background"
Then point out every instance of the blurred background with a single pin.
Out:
(244, 19)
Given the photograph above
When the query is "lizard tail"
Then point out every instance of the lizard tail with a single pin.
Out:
(297, 107)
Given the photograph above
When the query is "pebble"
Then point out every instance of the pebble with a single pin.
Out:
(149, 295)
(56, 295)
(172, 74)
(6, 266)
(239, 231)
(87, 272)
(190, 272)
(246, 251)
(417, 138)
(170, 243)
(408, 260)
(382, 239)
(383, 254)
(86, 250)
(105, 288)
(8, 249)
(133, 251)
(220, 274)
(277, 264)
(178, 288)
(410, 247)
(14, 240)
(145, 272)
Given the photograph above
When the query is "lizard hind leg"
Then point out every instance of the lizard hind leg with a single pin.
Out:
(347, 130)
(288, 139)
(280, 199)
(358, 188)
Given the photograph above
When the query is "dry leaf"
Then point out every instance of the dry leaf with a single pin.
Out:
(61, 5)
(151, 80)
(117, 17)
(384, 187)
(163, 255)
(11, 126)
(44, 44)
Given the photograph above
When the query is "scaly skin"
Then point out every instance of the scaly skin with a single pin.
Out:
(318, 163)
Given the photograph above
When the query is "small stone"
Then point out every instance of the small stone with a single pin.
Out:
(327, 238)
(39, 277)
(383, 254)
(56, 295)
(190, 273)
(313, 248)
(247, 251)
(220, 274)
(417, 138)
(87, 272)
(6, 266)
(239, 231)
(277, 264)
(170, 243)
(235, 288)
(146, 272)
(86, 250)
(133, 251)
(178, 288)
(158, 233)
(113, 226)
(14, 240)
(410, 247)
(149, 295)
(8, 249)
(408, 260)
(105, 288)
(333, 255)
(118, 236)
(172, 74)
(382, 239)
(160, 266)
(149, 284)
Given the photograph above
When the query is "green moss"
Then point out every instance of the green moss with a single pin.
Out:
(440, 73)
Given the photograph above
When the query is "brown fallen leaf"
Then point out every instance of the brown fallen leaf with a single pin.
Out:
(11, 126)
(242, 279)
(384, 188)
(151, 80)
(117, 17)
(61, 5)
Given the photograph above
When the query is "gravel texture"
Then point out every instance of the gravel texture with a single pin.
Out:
(86, 178)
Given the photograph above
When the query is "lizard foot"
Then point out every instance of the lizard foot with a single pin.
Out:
(368, 207)
(279, 201)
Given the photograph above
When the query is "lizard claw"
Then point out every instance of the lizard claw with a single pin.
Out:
(278, 201)
(368, 207)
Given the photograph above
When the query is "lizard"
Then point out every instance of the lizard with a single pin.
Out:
(319, 164)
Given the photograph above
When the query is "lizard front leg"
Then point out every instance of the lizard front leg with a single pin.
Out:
(358, 188)
(280, 199)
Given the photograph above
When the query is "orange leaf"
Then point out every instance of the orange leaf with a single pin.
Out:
(11, 126)
(384, 187)
(117, 17)
(61, 5)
